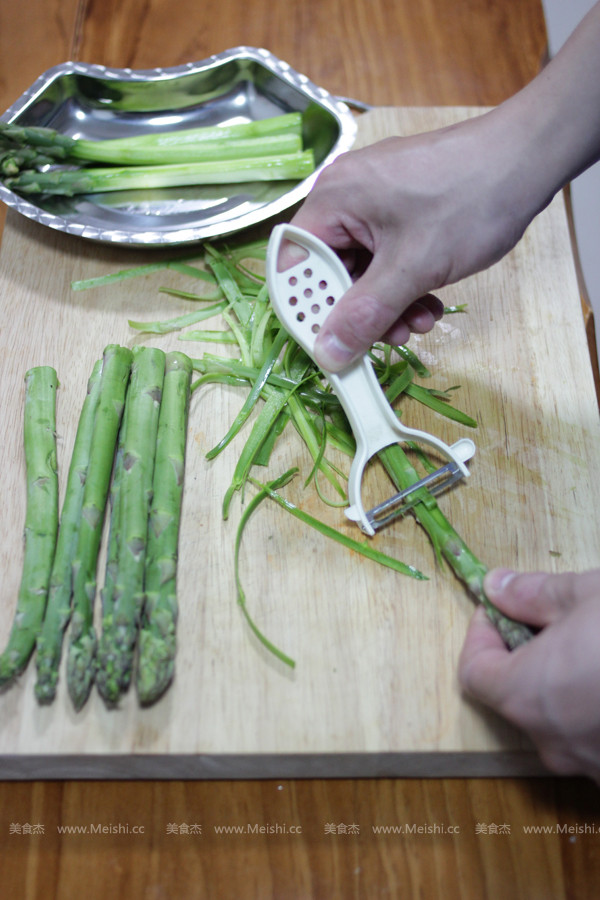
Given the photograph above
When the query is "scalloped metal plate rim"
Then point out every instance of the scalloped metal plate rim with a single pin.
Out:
(136, 231)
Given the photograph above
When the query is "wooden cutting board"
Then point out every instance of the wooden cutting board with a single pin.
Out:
(374, 691)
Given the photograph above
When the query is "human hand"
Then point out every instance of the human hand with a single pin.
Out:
(550, 686)
(408, 216)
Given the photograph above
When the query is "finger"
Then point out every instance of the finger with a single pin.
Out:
(290, 254)
(484, 662)
(433, 304)
(355, 323)
(331, 211)
(366, 312)
(538, 598)
(419, 318)
(399, 333)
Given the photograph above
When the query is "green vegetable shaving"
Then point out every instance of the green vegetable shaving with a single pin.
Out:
(362, 547)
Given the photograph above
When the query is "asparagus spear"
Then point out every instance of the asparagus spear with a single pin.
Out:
(151, 153)
(35, 139)
(445, 540)
(120, 626)
(156, 652)
(114, 537)
(68, 182)
(156, 147)
(22, 159)
(58, 608)
(115, 376)
(41, 519)
(12, 161)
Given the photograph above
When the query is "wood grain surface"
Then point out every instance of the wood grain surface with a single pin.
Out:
(389, 53)
(374, 691)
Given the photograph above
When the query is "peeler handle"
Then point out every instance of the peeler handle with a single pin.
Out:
(375, 426)
(303, 295)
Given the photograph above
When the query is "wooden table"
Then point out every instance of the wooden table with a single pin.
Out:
(465, 838)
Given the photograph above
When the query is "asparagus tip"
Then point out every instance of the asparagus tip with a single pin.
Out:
(47, 675)
(114, 661)
(80, 669)
(8, 670)
(155, 666)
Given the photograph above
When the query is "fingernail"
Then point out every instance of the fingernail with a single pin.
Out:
(495, 582)
(332, 354)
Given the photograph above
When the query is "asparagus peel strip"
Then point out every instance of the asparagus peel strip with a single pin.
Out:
(141, 271)
(41, 519)
(217, 337)
(241, 596)
(82, 647)
(58, 609)
(429, 398)
(227, 281)
(254, 394)
(157, 638)
(114, 658)
(214, 366)
(364, 547)
(165, 326)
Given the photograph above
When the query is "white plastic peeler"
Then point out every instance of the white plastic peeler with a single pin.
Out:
(302, 296)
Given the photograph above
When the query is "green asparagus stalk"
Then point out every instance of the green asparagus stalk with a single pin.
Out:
(114, 537)
(167, 142)
(157, 639)
(115, 376)
(15, 160)
(114, 661)
(446, 541)
(154, 148)
(58, 608)
(152, 154)
(68, 182)
(41, 519)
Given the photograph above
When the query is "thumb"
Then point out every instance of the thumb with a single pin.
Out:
(368, 310)
(484, 662)
(539, 598)
(356, 322)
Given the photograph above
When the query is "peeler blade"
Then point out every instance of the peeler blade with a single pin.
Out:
(401, 503)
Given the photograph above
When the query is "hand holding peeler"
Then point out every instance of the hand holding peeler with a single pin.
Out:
(302, 296)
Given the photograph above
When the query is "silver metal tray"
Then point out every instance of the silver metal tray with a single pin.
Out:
(242, 84)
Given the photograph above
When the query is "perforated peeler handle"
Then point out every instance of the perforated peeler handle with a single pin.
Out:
(302, 296)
